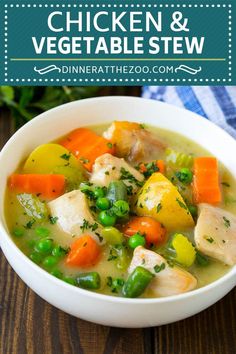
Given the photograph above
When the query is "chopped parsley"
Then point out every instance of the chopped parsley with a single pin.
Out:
(226, 222)
(107, 173)
(225, 184)
(29, 224)
(159, 268)
(142, 126)
(159, 207)
(115, 284)
(53, 219)
(110, 145)
(65, 157)
(181, 204)
(86, 225)
(129, 190)
(210, 239)
(127, 176)
(84, 160)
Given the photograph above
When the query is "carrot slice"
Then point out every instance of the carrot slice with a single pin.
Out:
(84, 252)
(48, 186)
(87, 146)
(206, 186)
(154, 231)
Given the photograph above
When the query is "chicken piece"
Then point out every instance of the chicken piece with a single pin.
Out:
(132, 141)
(169, 280)
(109, 168)
(215, 233)
(74, 215)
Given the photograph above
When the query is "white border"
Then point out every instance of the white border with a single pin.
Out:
(187, 80)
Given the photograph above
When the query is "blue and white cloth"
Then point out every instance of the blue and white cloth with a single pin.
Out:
(216, 103)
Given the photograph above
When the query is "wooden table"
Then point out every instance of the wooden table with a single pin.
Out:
(29, 325)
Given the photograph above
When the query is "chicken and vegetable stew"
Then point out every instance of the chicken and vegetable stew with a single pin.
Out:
(125, 210)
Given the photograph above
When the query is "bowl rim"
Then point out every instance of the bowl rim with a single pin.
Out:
(98, 296)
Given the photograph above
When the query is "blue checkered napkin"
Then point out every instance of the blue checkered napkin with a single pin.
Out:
(216, 103)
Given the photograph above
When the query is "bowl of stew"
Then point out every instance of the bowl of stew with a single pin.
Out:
(121, 210)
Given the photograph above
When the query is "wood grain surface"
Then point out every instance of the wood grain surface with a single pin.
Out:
(29, 325)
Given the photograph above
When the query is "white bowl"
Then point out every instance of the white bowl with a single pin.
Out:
(103, 309)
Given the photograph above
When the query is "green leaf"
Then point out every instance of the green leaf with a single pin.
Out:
(7, 93)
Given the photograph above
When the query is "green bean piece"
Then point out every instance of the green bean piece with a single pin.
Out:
(112, 235)
(69, 280)
(137, 282)
(116, 191)
(89, 280)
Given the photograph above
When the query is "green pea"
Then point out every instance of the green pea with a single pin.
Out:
(184, 175)
(17, 232)
(137, 282)
(117, 190)
(103, 203)
(36, 257)
(120, 208)
(106, 218)
(57, 273)
(136, 240)
(50, 261)
(31, 243)
(42, 231)
(89, 280)
(59, 251)
(99, 192)
(69, 280)
(44, 246)
(112, 235)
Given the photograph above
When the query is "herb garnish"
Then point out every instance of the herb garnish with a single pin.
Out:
(83, 160)
(210, 239)
(29, 224)
(225, 184)
(159, 268)
(53, 219)
(126, 175)
(226, 222)
(159, 207)
(181, 204)
(115, 284)
(86, 225)
(65, 157)
(110, 145)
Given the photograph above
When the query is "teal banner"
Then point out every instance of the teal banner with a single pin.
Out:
(118, 42)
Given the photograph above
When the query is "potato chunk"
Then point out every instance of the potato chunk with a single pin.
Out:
(160, 199)
(168, 280)
(109, 168)
(132, 141)
(215, 233)
(74, 215)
